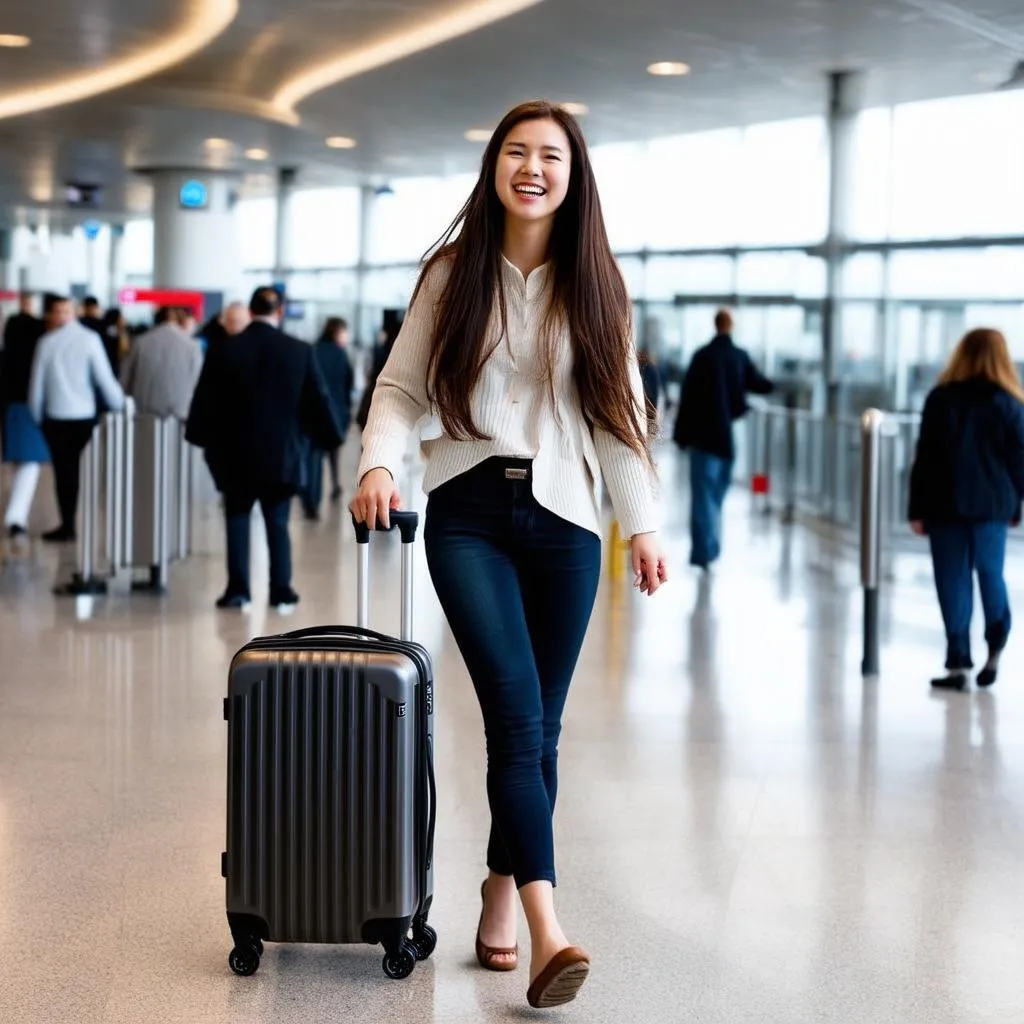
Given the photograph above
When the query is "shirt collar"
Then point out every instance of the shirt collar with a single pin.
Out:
(529, 285)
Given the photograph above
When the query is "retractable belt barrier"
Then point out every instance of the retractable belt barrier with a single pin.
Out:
(135, 503)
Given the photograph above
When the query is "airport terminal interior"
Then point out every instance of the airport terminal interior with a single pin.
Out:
(766, 812)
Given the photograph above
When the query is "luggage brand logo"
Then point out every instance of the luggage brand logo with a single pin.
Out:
(401, 711)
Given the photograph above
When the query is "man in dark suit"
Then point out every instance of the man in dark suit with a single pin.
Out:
(259, 402)
(715, 390)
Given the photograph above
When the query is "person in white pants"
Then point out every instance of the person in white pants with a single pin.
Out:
(19, 505)
(23, 442)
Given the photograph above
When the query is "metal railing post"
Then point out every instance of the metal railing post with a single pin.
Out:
(85, 580)
(184, 495)
(871, 534)
(114, 425)
(128, 510)
(168, 438)
(789, 507)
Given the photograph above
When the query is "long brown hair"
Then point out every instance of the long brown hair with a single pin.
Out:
(589, 295)
(984, 353)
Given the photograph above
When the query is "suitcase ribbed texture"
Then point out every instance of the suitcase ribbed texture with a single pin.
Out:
(322, 799)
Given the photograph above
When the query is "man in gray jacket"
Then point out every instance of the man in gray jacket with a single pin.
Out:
(161, 370)
(70, 372)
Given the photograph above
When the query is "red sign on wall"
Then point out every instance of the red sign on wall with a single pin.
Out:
(163, 297)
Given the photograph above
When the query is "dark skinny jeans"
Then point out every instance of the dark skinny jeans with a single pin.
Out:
(517, 584)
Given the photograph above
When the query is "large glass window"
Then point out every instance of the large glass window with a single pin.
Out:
(991, 273)
(781, 273)
(690, 196)
(137, 252)
(669, 276)
(621, 179)
(414, 215)
(872, 167)
(257, 229)
(324, 228)
(782, 196)
(958, 166)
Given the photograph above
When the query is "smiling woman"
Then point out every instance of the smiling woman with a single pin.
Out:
(202, 22)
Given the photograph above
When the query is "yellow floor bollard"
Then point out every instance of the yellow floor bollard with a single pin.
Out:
(616, 548)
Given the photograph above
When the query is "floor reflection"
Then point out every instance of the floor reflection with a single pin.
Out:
(741, 818)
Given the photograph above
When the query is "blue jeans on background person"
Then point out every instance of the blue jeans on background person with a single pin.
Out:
(517, 584)
(312, 492)
(710, 477)
(959, 551)
(275, 505)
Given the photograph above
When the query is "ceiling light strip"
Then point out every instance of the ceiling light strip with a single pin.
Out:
(205, 20)
(455, 23)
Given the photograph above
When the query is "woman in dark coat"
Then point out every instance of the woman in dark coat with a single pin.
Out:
(380, 357)
(333, 362)
(966, 489)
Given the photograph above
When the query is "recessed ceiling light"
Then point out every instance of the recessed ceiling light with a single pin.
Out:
(202, 23)
(576, 109)
(479, 134)
(218, 143)
(433, 30)
(668, 68)
(341, 142)
(13, 41)
(256, 153)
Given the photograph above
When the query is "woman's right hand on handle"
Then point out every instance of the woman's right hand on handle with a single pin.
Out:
(377, 495)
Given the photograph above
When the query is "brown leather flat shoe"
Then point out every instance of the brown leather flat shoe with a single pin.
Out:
(560, 982)
(486, 955)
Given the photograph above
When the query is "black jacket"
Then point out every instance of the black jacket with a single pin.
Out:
(21, 336)
(259, 396)
(715, 390)
(970, 456)
(380, 358)
(337, 372)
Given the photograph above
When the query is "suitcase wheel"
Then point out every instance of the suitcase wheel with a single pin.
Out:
(244, 960)
(424, 940)
(400, 965)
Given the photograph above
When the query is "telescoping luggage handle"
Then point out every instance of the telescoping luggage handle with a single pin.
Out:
(407, 524)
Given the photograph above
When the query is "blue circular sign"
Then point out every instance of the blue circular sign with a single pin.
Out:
(193, 194)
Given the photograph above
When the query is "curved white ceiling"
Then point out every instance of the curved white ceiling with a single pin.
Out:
(204, 21)
(452, 24)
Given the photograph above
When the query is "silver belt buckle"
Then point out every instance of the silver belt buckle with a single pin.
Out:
(512, 473)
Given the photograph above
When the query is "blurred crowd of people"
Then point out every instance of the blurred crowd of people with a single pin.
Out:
(268, 409)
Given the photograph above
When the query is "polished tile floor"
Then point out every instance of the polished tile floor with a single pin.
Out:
(747, 832)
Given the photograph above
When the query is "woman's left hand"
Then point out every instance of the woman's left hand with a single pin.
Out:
(648, 563)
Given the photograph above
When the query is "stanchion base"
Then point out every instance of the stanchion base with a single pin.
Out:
(154, 585)
(145, 587)
(870, 666)
(80, 587)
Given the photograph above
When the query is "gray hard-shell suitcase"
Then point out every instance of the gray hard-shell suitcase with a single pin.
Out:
(331, 795)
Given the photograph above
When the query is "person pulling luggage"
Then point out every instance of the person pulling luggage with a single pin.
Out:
(519, 340)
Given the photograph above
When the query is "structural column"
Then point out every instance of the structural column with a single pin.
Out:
(365, 333)
(8, 270)
(196, 245)
(116, 269)
(845, 90)
(844, 103)
(282, 232)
